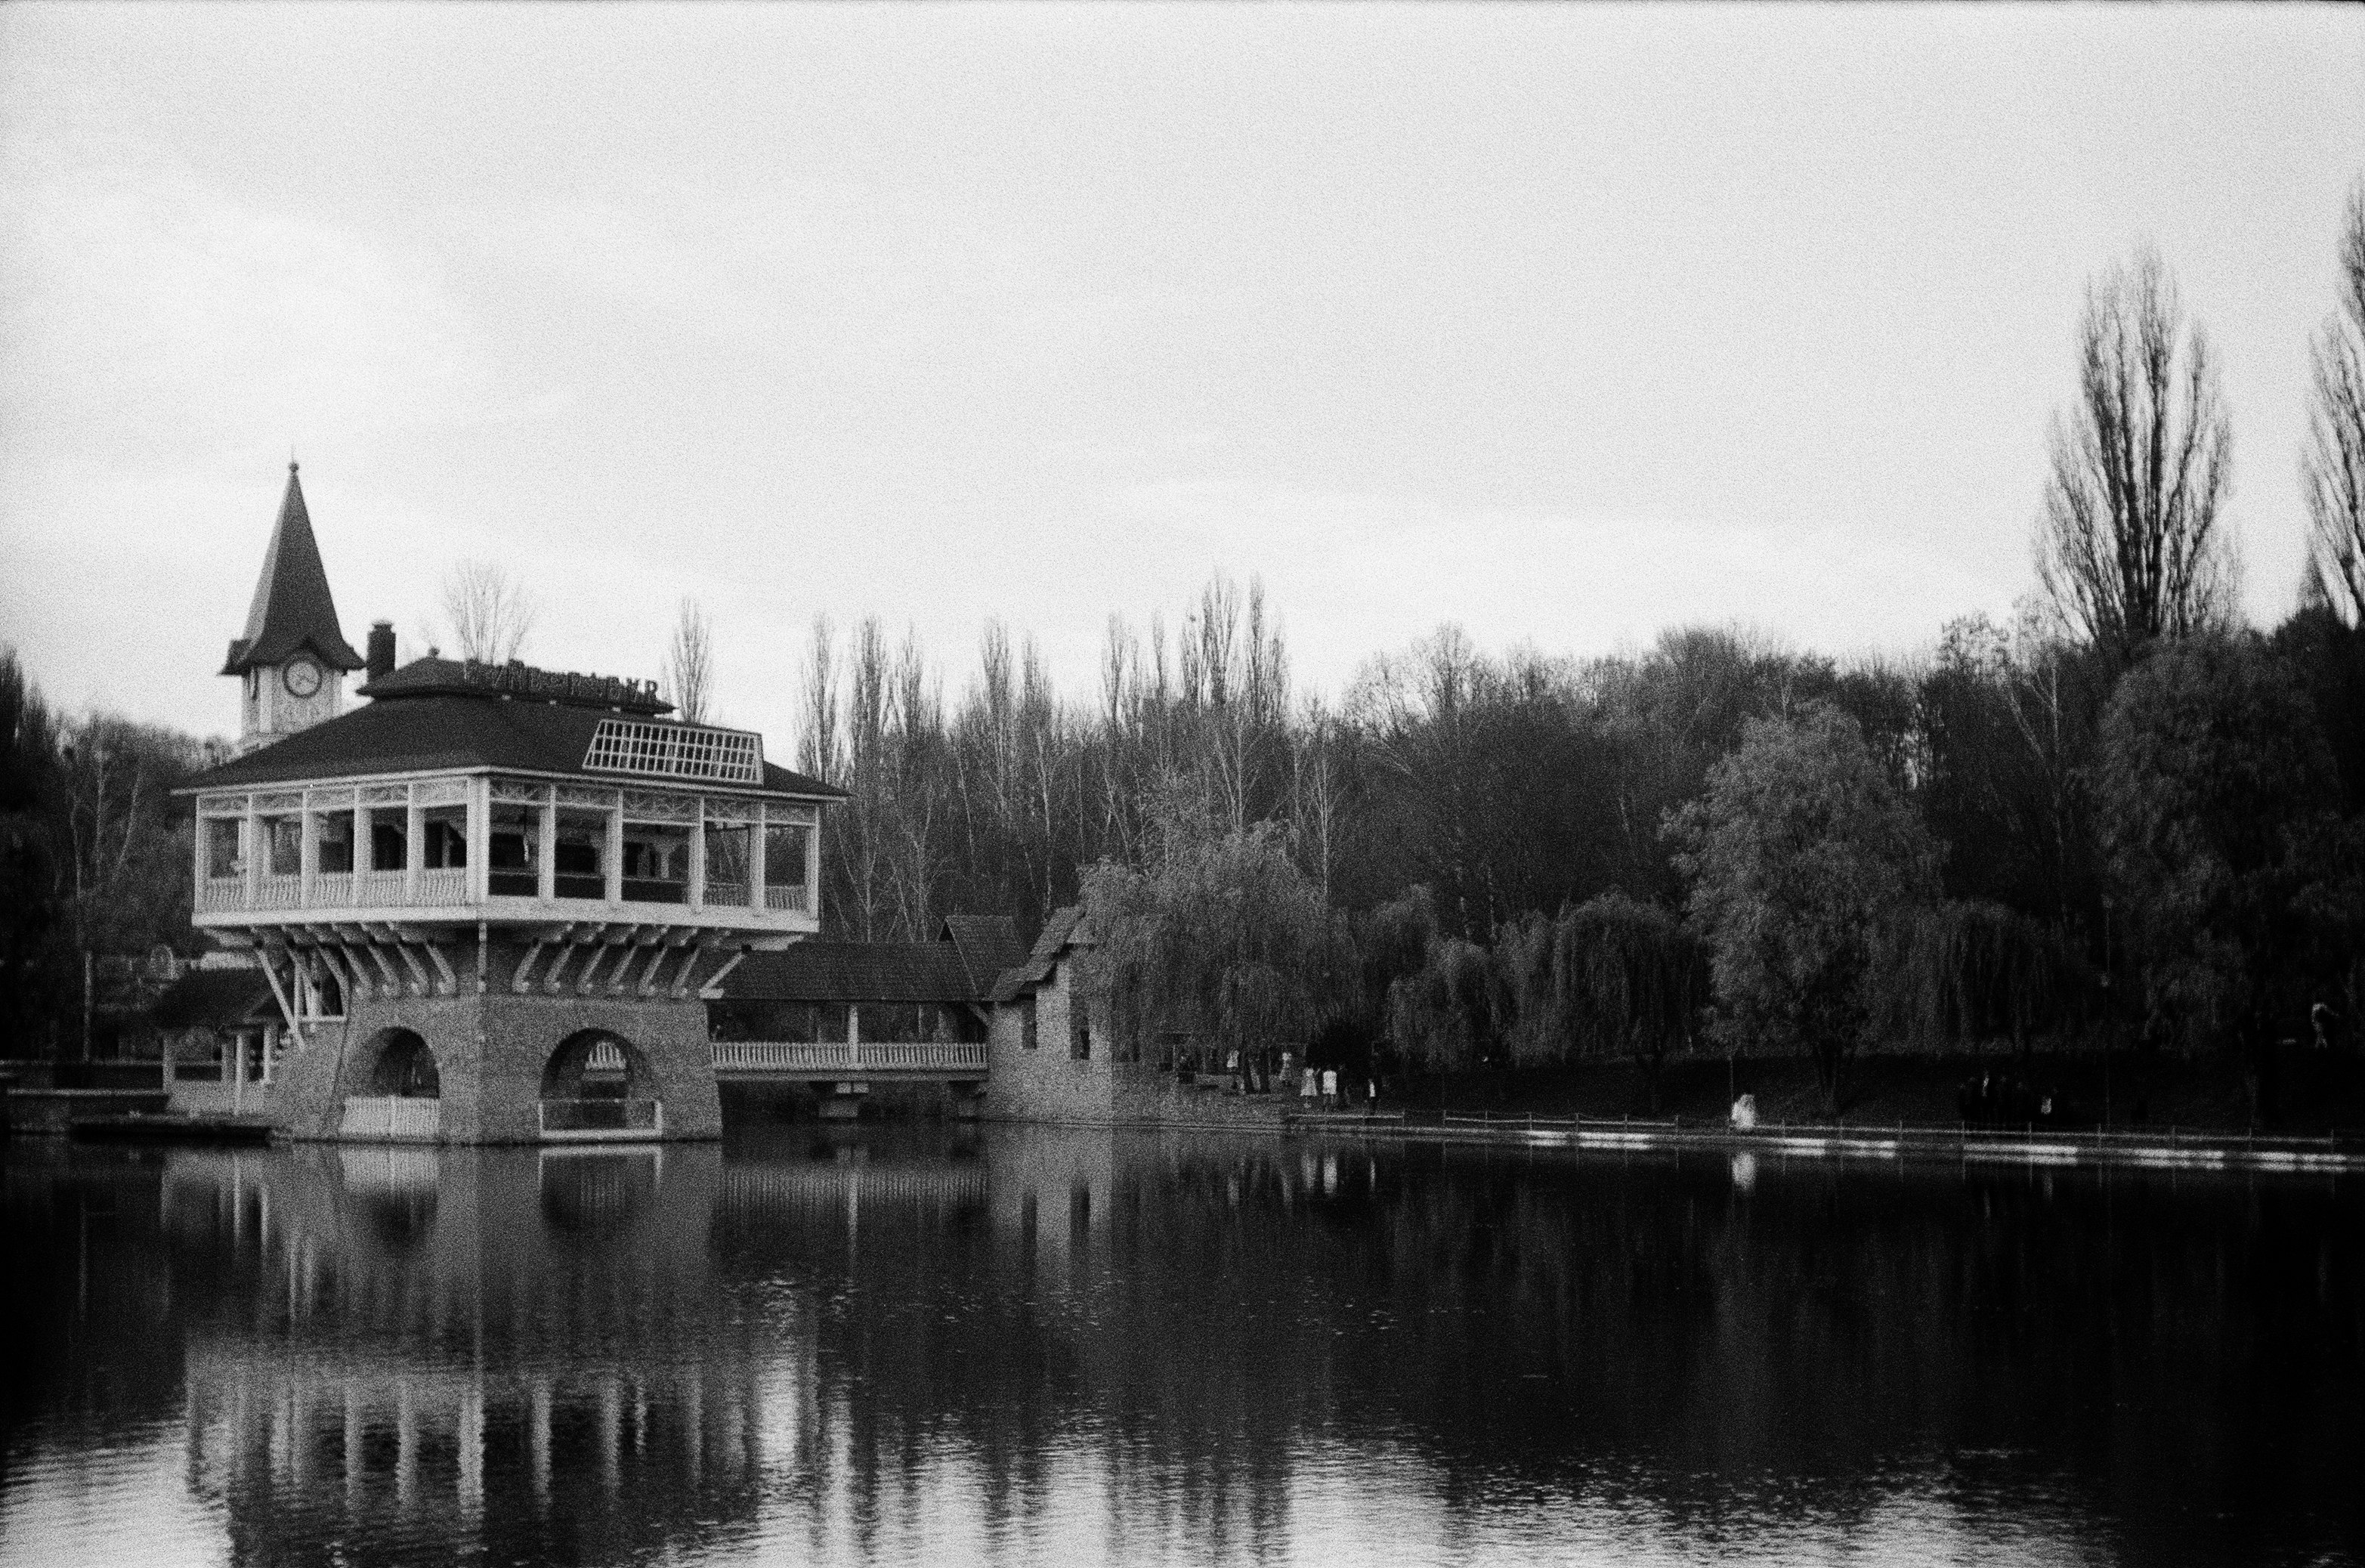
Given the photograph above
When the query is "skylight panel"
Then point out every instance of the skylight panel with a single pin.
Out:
(676, 751)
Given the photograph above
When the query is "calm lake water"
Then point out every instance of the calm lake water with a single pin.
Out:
(907, 1346)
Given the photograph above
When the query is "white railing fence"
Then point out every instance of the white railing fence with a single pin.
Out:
(840, 1056)
(438, 887)
(442, 886)
(391, 1116)
(377, 888)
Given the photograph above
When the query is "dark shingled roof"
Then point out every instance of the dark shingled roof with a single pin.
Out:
(292, 606)
(426, 733)
(854, 972)
(217, 998)
(988, 944)
(1059, 933)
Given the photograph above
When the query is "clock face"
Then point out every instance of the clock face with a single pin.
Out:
(301, 677)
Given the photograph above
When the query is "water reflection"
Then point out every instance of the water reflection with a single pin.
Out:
(868, 1346)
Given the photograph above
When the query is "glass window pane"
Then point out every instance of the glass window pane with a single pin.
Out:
(332, 835)
(446, 831)
(225, 848)
(390, 839)
(513, 854)
(657, 863)
(580, 854)
(284, 841)
(727, 851)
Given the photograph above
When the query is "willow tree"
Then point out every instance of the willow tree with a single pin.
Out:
(2128, 548)
(1966, 971)
(1220, 940)
(1631, 980)
(1449, 1013)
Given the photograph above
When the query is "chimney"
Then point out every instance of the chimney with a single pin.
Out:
(381, 649)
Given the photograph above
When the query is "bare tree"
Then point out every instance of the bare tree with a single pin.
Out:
(2332, 470)
(819, 754)
(689, 663)
(2128, 547)
(490, 612)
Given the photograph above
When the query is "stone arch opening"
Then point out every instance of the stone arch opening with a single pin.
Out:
(402, 1066)
(597, 1081)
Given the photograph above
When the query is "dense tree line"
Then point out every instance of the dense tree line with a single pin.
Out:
(95, 858)
(2123, 817)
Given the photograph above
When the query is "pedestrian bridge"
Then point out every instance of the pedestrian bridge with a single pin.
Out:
(794, 1061)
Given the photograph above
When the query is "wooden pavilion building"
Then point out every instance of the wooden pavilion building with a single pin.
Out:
(490, 902)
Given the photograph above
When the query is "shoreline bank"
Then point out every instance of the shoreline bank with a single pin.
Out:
(2173, 1148)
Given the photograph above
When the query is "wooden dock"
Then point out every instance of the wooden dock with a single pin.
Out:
(139, 1128)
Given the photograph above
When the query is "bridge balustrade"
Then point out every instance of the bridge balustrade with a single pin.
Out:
(917, 1057)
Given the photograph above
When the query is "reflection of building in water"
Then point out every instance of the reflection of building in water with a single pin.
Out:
(525, 1351)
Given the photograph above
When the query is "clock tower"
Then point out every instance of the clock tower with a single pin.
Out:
(291, 664)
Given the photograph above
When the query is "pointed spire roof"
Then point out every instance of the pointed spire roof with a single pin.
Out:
(292, 606)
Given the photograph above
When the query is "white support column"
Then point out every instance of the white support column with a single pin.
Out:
(615, 856)
(238, 1075)
(756, 898)
(698, 855)
(546, 868)
(308, 854)
(854, 1034)
(251, 851)
(414, 846)
(480, 835)
(812, 862)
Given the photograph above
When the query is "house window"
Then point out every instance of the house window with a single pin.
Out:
(447, 838)
(1080, 1026)
(580, 857)
(1026, 1023)
(515, 852)
(657, 863)
(389, 839)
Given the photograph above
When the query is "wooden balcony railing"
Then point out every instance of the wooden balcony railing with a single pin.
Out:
(442, 887)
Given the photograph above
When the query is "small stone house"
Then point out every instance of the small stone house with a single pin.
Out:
(1053, 1057)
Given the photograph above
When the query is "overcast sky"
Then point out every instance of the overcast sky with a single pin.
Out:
(1566, 324)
